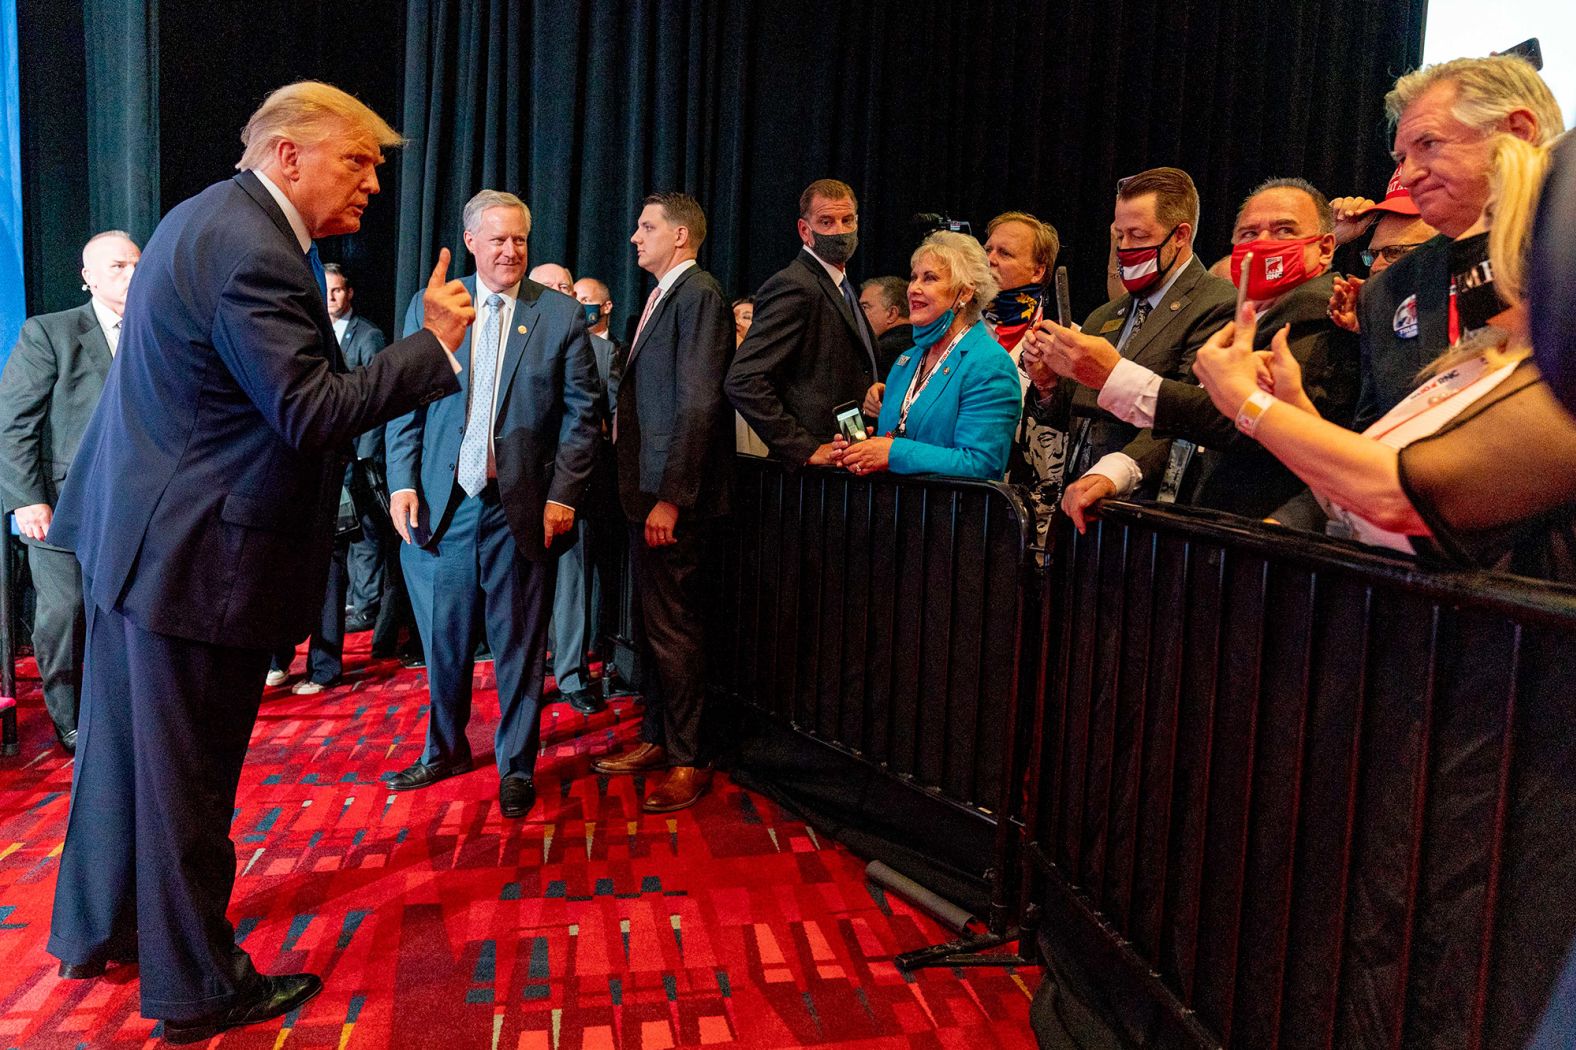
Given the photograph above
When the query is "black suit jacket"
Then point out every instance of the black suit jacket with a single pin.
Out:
(890, 347)
(1233, 472)
(675, 430)
(48, 391)
(362, 340)
(203, 499)
(1390, 358)
(804, 355)
(1192, 310)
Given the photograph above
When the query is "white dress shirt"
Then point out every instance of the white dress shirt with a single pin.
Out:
(833, 272)
(1131, 393)
(340, 324)
(109, 321)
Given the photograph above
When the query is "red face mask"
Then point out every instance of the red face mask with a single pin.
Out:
(1140, 267)
(1277, 266)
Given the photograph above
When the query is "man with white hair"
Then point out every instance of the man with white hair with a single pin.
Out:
(1446, 117)
(485, 489)
(201, 507)
(49, 389)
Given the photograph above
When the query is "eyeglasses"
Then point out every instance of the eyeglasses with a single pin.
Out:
(1389, 253)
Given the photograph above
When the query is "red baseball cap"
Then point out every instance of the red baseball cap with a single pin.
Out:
(1397, 199)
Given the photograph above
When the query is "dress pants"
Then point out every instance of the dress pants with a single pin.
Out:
(325, 659)
(366, 563)
(59, 631)
(672, 592)
(148, 859)
(574, 615)
(474, 575)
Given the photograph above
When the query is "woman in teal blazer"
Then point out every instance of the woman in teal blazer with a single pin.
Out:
(950, 405)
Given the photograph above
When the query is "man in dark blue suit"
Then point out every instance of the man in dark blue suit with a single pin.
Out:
(483, 489)
(201, 506)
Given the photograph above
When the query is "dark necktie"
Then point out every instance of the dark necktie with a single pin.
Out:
(316, 262)
(1140, 315)
(864, 334)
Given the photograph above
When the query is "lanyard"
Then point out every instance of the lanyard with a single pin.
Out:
(917, 385)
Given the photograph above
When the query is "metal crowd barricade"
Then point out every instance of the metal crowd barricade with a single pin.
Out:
(1290, 793)
(885, 619)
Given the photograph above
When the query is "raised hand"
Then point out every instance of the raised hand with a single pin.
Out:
(446, 306)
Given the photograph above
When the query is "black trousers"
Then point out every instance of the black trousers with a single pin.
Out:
(673, 589)
(325, 659)
(148, 859)
(59, 631)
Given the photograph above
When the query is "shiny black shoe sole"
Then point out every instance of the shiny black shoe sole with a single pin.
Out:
(515, 802)
(265, 1009)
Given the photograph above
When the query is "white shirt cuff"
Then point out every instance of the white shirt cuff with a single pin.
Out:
(396, 492)
(1121, 469)
(1131, 393)
(563, 505)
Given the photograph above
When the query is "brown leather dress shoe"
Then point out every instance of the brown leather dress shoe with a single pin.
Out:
(644, 757)
(682, 789)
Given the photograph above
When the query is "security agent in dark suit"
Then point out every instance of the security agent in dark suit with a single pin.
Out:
(48, 391)
(201, 506)
(674, 441)
(598, 529)
(484, 490)
(1284, 238)
(1171, 307)
(809, 348)
(359, 340)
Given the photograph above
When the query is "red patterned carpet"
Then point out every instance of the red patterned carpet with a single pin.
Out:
(436, 923)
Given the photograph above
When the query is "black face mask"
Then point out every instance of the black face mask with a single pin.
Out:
(1472, 280)
(593, 312)
(836, 248)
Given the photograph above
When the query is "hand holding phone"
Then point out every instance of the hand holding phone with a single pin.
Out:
(851, 423)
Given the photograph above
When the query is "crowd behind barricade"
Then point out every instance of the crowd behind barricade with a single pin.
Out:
(509, 448)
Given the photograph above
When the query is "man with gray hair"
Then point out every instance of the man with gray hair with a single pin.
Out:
(49, 389)
(484, 490)
(201, 506)
(1446, 117)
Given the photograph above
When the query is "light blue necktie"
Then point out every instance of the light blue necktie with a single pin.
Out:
(472, 470)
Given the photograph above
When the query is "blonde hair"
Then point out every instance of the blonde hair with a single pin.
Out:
(963, 260)
(1487, 91)
(1516, 184)
(306, 113)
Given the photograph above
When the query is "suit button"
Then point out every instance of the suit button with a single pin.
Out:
(451, 466)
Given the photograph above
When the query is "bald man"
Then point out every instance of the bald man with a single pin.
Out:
(554, 276)
(48, 391)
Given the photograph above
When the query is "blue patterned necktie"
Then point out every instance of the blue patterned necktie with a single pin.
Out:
(472, 471)
(316, 262)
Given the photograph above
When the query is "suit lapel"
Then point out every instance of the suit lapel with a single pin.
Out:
(651, 322)
(249, 182)
(522, 329)
(1167, 310)
(91, 337)
(950, 366)
(462, 353)
(834, 293)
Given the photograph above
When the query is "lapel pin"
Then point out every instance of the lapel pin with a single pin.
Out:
(946, 371)
(521, 329)
(1175, 307)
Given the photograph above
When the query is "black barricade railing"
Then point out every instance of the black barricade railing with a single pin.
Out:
(1287, 793)
(883, 617)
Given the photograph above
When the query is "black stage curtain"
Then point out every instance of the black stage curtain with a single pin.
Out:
(963, 108)
(123, 115)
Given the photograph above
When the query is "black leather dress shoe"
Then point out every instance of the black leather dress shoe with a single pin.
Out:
(516, 796)
(586, 701)
(272, 997)
(413, 660)
(86, 971)
(357, 624)
(68, 740)
(421, 774)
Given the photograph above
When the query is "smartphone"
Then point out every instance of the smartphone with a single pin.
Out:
(1528, 49)
(1064, 301)
(851, 423)
(1242, 284)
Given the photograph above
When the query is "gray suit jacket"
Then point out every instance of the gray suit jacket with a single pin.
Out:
(363, 339)
(48, 391)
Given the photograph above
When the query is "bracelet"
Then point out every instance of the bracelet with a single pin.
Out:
(1253, 410)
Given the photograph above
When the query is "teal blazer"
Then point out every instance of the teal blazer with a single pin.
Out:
(963, 422)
